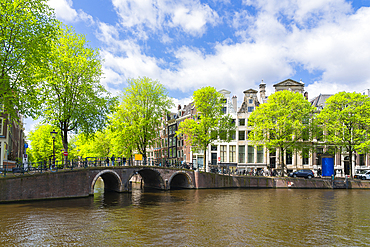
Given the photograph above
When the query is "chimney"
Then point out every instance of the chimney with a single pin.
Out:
(262, 90)
(235, 102)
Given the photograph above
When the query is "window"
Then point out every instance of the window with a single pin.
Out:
(250, 101)
(223, 101)
(224, 110)
(362, 159)
(305, 156)
(248, 133)
(260, 154)
(233, 121)
(232, 154)
(289, 157)
(250, 108)
(232, 134)
(223, 153)
(213, 148)
(241, 122)
(241, 135)
(241, 154)
(250, 154)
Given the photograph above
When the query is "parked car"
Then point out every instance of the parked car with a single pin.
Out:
(302, 173)
(366, 175)
(359, 173)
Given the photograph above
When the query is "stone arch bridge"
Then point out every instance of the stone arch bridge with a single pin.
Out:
(118, 179)
(80, 182)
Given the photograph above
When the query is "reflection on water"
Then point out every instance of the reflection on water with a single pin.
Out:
(230, 217)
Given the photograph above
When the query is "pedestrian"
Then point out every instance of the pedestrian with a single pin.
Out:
(112, 159)
(274, 173)
(107, 161)
(319, 172)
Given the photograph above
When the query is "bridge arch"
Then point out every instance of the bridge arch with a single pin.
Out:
(180, 180)
(151, 178)
(111, 179)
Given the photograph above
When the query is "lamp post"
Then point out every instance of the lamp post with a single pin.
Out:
(53, 135)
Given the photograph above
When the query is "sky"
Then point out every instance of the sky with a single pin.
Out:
(227, 44)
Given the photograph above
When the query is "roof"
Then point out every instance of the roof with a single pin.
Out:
(250, 91)
(224, 91)
(289, 82)
(320, 100)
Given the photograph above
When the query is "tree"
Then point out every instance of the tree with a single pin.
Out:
(97, 145)
(282, 123)
(201, 131)
(27, 29)
(42, 144)
(121, 135)
(76, 101)
(345, 120)
(144, 102)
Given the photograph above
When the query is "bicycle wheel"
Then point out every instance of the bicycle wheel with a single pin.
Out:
(53, 168)
(31, 170)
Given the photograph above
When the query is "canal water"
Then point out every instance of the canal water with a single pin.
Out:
(218, 217)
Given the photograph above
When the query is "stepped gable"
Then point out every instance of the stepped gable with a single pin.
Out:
(249, 93)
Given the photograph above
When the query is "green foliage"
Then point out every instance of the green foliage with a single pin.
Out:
(27, 29)
(97, 145)
(42, 144)
(283, 122)
(76, 101)
(135, 122)
(201, 130)
(345, 120)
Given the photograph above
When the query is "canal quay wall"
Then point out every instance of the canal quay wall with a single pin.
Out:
(209, 180)
(80, 183)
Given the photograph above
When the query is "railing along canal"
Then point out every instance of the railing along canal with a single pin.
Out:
(41, 167)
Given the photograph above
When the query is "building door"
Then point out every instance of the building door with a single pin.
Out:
(346, 165)
(214, 159)
(200, 162)
(272, 162)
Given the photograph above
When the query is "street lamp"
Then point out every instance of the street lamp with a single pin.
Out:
(53, 135)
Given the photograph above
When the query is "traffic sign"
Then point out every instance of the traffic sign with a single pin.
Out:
(65, 153)
(219, 159)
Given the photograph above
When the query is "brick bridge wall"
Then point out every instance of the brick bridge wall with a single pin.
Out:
(80, 182)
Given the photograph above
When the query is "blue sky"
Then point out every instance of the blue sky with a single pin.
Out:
(227, 44)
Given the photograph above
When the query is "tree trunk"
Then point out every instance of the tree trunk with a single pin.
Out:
(281, 157)
(65, 146)
(350, 162)
(204, 160)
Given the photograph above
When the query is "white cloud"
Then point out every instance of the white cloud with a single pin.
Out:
(193, 19)
(182, 102)
(319, 35)
(64, 11)
(190, 15)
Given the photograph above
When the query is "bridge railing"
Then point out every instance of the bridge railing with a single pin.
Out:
(58, 165)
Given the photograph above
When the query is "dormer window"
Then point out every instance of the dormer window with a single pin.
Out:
(250, 101)
(223, 101)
